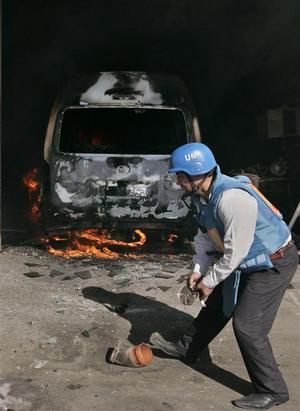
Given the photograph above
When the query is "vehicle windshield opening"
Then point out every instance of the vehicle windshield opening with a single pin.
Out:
(122, 130)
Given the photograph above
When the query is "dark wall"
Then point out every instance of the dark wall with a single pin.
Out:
(236, 57)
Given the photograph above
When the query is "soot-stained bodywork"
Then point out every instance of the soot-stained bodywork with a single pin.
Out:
(107, 151)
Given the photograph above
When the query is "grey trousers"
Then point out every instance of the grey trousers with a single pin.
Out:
(259, 298)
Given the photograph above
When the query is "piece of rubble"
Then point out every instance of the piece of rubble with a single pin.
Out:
(92, 262)
(152, 271)
(55, 273)
(163, 288)
(143, 275)
(68, 277)
(36, 265)
(99, 271)
(122, 279)
(162, 275)
(38, 364)
(33, 274)
(84, 275)
(52, 340)
(171, 268)
(74, 386)
(86, 260)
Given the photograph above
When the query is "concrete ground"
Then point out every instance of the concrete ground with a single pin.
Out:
(59, 317)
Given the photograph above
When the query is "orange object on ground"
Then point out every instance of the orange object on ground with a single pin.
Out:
(131, 356)
(143, 353)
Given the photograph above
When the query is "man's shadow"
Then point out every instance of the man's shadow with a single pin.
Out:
(147, 315)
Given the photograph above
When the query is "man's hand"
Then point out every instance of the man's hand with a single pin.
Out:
(192, 280)
(204, 291)
(195, 284)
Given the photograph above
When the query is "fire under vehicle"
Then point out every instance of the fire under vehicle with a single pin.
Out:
(107, 150)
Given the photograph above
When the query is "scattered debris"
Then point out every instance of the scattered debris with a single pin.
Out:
(87, 333)
(93, 262)
(167, 405)
(74, 386)
(68, 277)
(152, 270)
(36, 265)
(38, 364)
(55, 273)
(150, 288)
(143, 275)
(122, 279)
(33, 274)
(163, 288)
(182, 278)
(99, 271)
(162, 275)
(171, 268)
(84, 275)
(60, 311)
(86, 260)
(52, 340)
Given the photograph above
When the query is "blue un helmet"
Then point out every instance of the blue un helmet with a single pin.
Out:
(193, 159)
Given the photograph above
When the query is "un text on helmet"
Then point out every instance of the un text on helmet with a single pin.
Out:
(192, 156)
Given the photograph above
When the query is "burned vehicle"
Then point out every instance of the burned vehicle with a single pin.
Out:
(107, 150)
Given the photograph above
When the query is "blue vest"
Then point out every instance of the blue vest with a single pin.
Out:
(270, 232)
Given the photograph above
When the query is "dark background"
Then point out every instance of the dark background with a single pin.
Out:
(236, 57)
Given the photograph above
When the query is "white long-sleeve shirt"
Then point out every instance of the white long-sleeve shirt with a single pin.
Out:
(238, 212)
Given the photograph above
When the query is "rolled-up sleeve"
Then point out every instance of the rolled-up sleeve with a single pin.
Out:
(237, 210)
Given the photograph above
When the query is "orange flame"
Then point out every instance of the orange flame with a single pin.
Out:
(83, 243)
(172, 238)
(79, 243)
(31, 181)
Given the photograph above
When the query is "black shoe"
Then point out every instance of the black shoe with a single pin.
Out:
(168, 347)
(260, 401)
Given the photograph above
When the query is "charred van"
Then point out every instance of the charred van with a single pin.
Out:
(107, 150)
